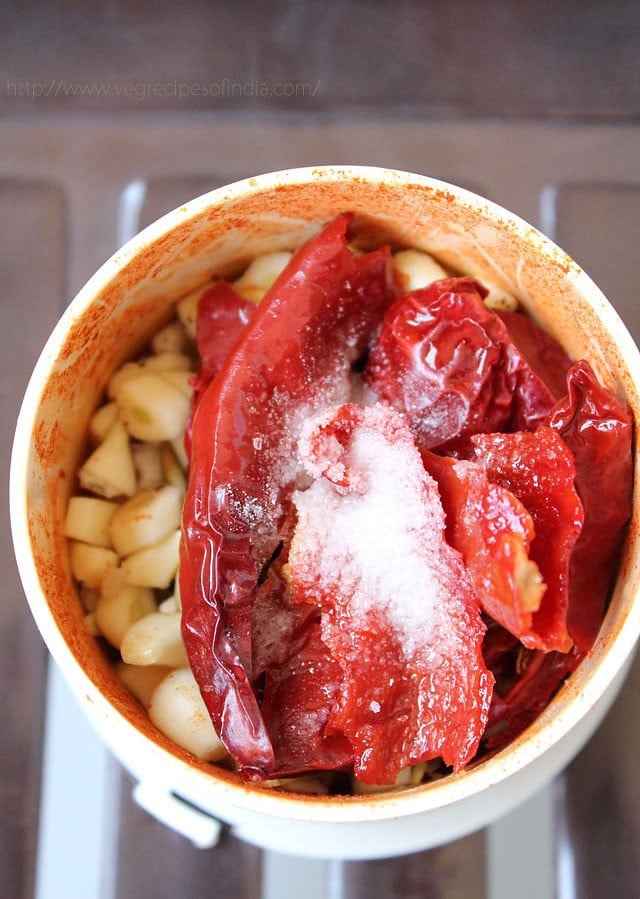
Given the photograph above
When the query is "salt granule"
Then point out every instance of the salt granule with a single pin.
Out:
(377, 546)
(398, 611)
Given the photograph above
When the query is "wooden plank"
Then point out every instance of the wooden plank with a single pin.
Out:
(598, 224)
(173, 158)
(453, 871)
(461, 58)
(154, 861)
(31, 273)
(599, 806)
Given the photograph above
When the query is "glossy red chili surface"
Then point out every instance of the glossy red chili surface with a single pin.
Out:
(222, 315)
(335, 599)
(493, 530)
(446, 361)
(399, 610)
(538, 469)
(294, 358)
(598, 429)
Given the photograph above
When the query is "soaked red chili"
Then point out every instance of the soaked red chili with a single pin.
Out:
(526, 455)
(294, 357)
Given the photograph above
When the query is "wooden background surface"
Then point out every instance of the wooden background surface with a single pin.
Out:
(537, 107)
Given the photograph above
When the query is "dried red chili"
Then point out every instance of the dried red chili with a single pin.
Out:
(547, 358)
(537, 467)
(298, 697)
(221, 316)
(399, 612)
(294, 358)
(529, 693)
(493, 531)
(598, 429)
(293, 678)
(447, 361)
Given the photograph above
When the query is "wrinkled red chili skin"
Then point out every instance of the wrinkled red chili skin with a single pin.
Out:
(493, 531)
(299, 695)
(221, 317)
(530, 693)
(397, 706)
(293, 357)
(538, 469)
(455, 369)
(598, 429)
(545, 355)
(301, 678)
(448, 363)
